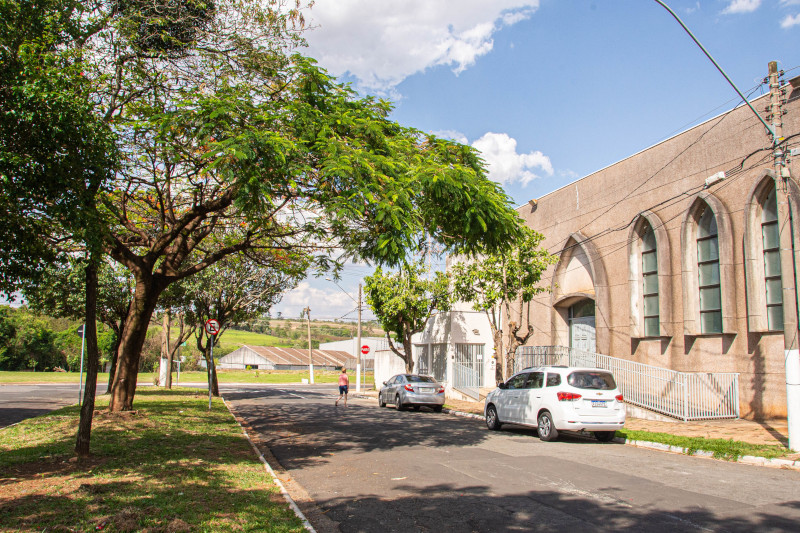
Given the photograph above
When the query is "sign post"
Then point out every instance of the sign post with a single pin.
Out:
(212, 328)
(364, 351)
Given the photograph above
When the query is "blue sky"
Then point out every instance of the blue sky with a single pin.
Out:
(549, 91)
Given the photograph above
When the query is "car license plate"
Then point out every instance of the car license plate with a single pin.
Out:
(599, 403)
(425, 390)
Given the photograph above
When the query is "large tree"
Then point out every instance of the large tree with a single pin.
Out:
(502, 284)
(244, 149)
(56, 154)
(403, 302)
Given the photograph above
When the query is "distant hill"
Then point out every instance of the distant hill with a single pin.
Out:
(293, 333)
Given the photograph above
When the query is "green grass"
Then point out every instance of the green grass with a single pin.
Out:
(234, 338)
(171, 465)
(224, 376)
(730, 450)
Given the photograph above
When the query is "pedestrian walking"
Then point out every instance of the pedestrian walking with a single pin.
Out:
(344, 384)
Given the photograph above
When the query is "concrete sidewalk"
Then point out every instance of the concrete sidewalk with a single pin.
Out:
(774, 432)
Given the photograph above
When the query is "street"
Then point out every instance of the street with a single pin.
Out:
(372, 469)
(19, 401)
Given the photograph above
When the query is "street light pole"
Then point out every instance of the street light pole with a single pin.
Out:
(307, 312)
(358, 365)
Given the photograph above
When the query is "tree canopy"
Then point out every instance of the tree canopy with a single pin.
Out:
(403, 302)
(501, 284)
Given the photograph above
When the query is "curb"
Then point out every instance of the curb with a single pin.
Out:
(306, 524)
(745, 459)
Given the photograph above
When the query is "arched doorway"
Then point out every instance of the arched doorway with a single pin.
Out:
(581, 322)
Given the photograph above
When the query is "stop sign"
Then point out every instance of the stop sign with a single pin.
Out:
(365, 349)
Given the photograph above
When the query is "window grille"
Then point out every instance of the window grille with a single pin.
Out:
(772, 262)
(708, 273)
(650, 282)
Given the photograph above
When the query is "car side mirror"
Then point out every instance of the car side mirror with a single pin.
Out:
(502, 385)
(384, 383)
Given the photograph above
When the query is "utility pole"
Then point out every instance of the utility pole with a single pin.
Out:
(788, 281)
(358, 364)
(307, 312)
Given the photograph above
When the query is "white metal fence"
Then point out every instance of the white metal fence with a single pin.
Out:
(468, 369)
(683, 395)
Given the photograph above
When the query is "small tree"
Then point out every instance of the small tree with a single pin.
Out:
(403, 303)
(501, 284)
(235, 290)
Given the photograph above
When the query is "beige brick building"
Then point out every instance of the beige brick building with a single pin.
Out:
(658, 267)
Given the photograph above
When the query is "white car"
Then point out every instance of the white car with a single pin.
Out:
(558, 398)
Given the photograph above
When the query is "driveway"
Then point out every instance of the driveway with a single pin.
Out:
(372, 469)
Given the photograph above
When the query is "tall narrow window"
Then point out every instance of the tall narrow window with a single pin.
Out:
(650, 282)
(708, 272)
(772, 261)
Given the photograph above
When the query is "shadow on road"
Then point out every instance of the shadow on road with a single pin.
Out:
(474, 509)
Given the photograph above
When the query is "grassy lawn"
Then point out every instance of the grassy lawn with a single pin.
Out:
(224, 376)
(171, 465)
(730, 450)
(234, 338)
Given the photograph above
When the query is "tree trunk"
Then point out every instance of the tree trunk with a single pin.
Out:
(115, 355)
(409, 358)
(499, 359)
(211, 370)
(92, 362)
(168, 349)
(133, 336)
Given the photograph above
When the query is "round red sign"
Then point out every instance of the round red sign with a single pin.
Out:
(365, 349)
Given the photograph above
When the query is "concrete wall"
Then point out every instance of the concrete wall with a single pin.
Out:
(590, 223)
(387, 364)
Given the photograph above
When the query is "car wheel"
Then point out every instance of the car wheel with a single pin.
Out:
(380, 401)
(437, 408)
(492, 420)
(547, 430)
(398, 404)
(605, 436)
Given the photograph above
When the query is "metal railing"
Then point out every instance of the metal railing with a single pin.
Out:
(467, 380)
(682, 395)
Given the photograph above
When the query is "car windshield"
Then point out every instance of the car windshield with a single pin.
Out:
(420, 379)
(584, 379)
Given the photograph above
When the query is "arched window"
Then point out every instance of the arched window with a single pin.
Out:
(708, 272)
(650, 281)
(770, 239)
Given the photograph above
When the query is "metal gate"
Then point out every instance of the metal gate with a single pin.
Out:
(468, 369)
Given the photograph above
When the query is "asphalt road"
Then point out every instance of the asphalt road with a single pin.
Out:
(371, 469)
(21, 401)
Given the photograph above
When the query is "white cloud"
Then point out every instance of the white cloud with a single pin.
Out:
(741, 6)
(383, 43)
(452, 135)
(506, 165)
(790, 21)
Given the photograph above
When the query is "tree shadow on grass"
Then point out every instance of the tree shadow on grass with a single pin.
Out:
(156, 470)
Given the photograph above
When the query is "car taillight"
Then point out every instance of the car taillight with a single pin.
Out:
(567, 396)
(409, 388)
(619, 398)
(441, 390)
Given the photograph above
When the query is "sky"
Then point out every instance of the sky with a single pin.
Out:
(548, 91)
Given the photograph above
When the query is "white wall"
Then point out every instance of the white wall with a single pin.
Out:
(351, 345)
(387, 364)
(462, 326)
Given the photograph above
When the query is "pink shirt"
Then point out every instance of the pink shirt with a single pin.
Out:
(343, 380)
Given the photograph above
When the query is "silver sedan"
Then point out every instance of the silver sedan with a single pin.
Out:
(412, 390)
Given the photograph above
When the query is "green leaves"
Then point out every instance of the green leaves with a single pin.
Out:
(404, 301)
